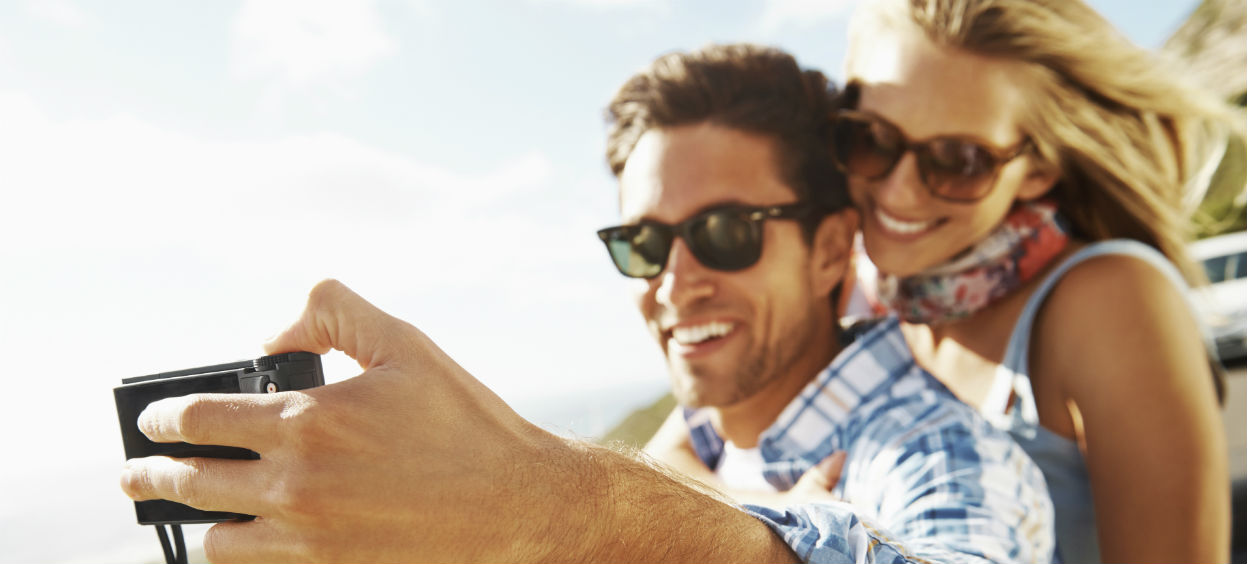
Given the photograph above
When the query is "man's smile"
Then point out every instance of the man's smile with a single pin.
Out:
(691, 339)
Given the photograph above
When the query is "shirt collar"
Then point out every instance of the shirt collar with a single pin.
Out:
(811, 427)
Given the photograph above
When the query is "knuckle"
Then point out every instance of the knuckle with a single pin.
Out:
(298, 408)
(301, 419)
(324, 292)
(190, 420)
(186, 482)
(298, 496)
(279, 494)
(296, 504)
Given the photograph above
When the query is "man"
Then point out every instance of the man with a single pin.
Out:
(740, 245)
(737, 232)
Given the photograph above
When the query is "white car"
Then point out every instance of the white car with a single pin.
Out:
(1224, 302)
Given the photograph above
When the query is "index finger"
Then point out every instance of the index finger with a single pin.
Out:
(238, 420)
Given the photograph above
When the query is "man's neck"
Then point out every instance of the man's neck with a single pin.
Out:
(743, 422)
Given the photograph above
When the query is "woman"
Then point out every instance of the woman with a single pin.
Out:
(1020, 169)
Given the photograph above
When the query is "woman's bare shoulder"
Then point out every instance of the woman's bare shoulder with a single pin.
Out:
(1119, 317)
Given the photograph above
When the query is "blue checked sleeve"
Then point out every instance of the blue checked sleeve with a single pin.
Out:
(940, 487)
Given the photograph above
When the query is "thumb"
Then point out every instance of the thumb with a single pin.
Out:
(826, 474)
(337, 318)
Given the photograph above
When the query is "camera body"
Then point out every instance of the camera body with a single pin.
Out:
(268, 374)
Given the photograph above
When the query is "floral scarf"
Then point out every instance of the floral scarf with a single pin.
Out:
(1029, 238)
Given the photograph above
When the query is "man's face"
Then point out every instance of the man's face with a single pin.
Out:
(726, 335)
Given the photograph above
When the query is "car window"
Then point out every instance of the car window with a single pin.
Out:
(1226, 267)
(1215, 269)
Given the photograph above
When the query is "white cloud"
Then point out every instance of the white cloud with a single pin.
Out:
(114, 183)
(661, 6)
(337, 207)
(142, 216)
(308, 41)
(60, 12)
(779, 14)
(615, 3)
(7, 58)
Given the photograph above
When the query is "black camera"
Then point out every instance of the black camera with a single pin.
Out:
(269, 374)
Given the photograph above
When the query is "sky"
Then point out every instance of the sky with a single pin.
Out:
(177, 175)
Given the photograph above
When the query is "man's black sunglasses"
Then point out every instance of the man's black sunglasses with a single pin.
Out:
(727, 238)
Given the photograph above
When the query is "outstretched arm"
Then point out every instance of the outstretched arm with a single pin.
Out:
(415, 460)
(672, 446)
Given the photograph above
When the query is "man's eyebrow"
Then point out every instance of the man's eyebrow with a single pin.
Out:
(727, 203)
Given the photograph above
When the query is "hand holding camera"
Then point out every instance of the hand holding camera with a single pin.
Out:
(357, 470)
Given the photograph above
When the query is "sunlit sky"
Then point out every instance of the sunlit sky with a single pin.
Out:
(177, 175)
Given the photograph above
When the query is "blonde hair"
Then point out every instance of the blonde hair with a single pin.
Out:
(1121, 124)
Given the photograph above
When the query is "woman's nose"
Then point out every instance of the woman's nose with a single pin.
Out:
(902, 188)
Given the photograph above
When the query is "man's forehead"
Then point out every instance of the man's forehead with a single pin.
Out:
(674, 173)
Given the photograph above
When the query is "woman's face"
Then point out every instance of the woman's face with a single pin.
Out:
(929, 91)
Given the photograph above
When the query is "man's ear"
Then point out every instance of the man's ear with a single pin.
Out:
(831, 248)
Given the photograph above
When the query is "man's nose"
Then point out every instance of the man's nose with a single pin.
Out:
(684, 280)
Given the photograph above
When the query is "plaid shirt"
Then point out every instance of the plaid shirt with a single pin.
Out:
(925, 479)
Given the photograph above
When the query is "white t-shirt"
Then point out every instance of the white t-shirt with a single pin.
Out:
(742, 469)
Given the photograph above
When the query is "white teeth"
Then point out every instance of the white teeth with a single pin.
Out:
(699, 333)
(899, 226)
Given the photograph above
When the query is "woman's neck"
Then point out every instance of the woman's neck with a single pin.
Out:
(964, 353)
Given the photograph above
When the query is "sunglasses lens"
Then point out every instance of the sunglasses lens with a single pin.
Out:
(639, 251)
(726, 240)
(958, 170)
(867, 148)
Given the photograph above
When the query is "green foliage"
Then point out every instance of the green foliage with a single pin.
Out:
(636, 429)
(1223, 209)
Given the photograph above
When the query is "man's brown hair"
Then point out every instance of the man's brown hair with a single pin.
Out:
(749, 88)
